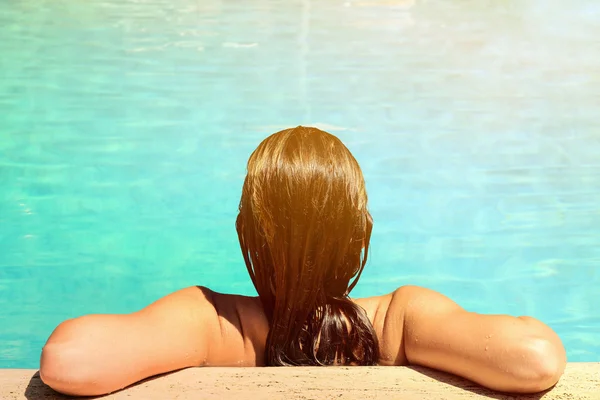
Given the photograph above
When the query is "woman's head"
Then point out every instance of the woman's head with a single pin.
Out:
(304, 230)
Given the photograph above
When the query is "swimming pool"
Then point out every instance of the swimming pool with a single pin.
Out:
(125, 127)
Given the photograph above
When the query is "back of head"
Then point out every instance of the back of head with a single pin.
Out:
(304, 230)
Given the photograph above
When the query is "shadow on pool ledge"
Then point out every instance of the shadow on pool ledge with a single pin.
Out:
(407, 383)
(464, 384)
(36, 389)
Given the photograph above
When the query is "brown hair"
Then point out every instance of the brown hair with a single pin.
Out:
(304, 230)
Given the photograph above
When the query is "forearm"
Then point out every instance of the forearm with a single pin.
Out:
(500, 352)
(99, 354)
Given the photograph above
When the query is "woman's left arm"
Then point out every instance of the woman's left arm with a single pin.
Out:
(504, 353)
(98, 354)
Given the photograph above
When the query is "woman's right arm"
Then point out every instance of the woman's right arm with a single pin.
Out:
(99, 354)
(501, 352)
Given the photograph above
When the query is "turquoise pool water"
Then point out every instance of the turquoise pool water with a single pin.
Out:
(125, 127)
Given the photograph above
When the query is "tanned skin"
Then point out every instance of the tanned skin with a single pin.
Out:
(194, 327)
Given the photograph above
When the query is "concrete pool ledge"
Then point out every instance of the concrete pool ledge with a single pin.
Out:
(580, 381)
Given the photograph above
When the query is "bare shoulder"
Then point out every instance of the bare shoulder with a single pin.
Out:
(235, 326)
(243, 326)
(239, 329)
(243, 329)
(387, 314)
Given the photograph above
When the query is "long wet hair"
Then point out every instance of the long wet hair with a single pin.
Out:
(304, 230)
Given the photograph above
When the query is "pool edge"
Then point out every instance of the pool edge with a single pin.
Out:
(580, 381)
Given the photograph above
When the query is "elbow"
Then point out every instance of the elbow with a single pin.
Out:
(545, 362)
(60, 370)
(54, 372)
(64, 363)
(65, 372)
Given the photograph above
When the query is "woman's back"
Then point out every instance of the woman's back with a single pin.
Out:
(243, 328)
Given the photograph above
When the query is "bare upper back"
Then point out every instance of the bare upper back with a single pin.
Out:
(243, 329)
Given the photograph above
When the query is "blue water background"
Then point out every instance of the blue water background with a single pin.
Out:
(125, 127)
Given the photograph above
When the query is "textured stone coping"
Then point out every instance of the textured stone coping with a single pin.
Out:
(580, 381)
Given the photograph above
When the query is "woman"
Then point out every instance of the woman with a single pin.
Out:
(304, 231)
